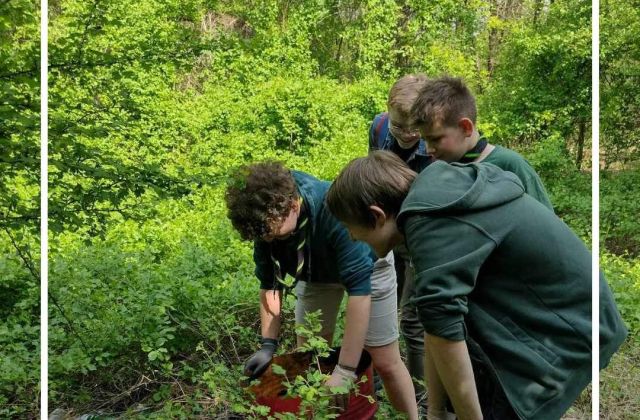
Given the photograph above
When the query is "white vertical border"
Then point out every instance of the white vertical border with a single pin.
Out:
(44, 193)
(595, 207)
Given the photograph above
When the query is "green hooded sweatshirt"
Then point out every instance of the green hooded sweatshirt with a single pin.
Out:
(493, 263)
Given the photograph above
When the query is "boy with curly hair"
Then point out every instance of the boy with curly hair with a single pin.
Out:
(284, 213)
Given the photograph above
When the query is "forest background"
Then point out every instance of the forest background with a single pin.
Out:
(152, 104)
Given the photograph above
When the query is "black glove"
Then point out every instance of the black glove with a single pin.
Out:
(256, 364)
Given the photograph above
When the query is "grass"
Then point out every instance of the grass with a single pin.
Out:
(620, 383)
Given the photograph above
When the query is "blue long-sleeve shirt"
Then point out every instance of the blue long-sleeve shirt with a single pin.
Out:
(332, 256)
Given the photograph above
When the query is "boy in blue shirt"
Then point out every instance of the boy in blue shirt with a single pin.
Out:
(285, 214)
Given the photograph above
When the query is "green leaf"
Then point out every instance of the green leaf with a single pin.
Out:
(278, 370)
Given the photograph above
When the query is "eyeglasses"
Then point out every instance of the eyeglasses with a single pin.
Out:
(403, 130)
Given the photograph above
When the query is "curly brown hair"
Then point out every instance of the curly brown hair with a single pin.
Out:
(259, 197)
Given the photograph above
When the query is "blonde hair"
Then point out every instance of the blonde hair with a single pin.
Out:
(404, 92)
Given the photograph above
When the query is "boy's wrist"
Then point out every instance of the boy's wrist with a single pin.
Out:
(344, 372)
(347, 368)
(270, 343)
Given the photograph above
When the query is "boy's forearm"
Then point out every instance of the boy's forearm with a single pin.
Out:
(437, 394)
(355, 329)
(453, 366)
(270, 313)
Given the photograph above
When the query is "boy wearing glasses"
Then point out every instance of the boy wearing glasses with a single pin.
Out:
(284, 213)
(391, 131)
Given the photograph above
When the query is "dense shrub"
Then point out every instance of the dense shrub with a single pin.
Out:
(619, 227)
(624, 277)
(19, 335)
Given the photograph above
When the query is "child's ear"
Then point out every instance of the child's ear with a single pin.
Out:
(466, 125)
(379, 215)
(295, 205)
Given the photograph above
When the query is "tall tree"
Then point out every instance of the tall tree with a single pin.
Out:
(543, 83)
(620, 81)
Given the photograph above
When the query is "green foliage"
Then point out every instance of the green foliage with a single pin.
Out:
(314, 395)
(310, 331)
(543, 83)
(222, 385)
(152, 105)
(619, 227)
(19, 335)
(19, 208)
(450, 35)
(619, 88)
(172, 286)
(623, 276)
(568, 189)
(19, 114)
(111, 68)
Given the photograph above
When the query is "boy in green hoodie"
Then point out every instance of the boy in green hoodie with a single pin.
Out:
(495, 270)
(428, 120)
(445, 113)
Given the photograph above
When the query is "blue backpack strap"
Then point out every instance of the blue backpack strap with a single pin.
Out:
(379, 132)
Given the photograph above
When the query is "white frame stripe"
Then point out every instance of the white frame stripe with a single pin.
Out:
(44, 192)
(595, 213)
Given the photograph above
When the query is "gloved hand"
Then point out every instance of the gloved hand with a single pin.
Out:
(339, 378)
(258, 362)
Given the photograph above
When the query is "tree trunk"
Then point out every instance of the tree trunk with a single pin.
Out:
(582, 128)
(537, 9)
(492, 42)
(339, 51)
(493, 50)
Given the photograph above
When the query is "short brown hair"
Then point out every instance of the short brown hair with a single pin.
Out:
(445, 100)
(258, 197)
(404, 92)
(381, 179)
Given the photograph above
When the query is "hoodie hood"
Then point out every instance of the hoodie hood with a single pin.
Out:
(459, 188)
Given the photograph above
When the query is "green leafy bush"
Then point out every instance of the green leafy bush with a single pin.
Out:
(619, 227)
(19, 333)
(623, 276)
(569, 189)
